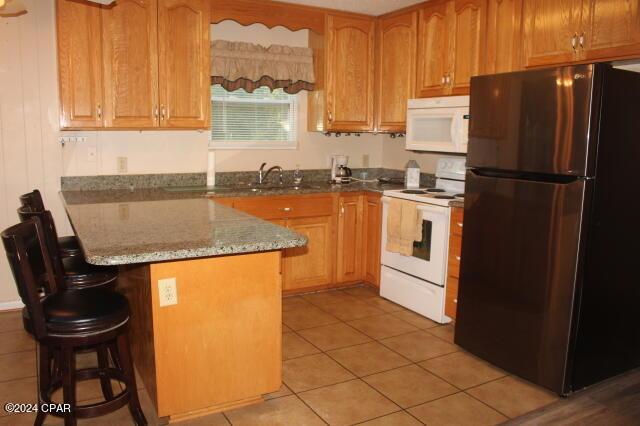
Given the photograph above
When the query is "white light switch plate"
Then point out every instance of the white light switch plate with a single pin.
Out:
(168, 292)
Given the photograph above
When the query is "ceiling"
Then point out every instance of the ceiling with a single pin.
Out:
(368, 7)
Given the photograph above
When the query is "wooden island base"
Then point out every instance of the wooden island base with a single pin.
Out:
(220, 346)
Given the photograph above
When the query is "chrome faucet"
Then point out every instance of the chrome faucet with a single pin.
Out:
(262, 175)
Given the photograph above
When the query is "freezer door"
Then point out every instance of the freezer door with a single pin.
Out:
(517, 280)
(533, 121)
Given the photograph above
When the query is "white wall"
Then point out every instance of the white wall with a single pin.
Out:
(394, 156)
(30, 156)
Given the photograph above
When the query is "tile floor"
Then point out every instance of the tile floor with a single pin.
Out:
(350, 357)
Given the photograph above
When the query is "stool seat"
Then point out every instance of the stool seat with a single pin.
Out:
(69, 246)
(78, 274)
(88, 311)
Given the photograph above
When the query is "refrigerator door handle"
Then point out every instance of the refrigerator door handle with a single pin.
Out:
(528, 176)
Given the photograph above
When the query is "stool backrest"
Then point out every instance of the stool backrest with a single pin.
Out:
(20, 242)
(32, 200)
(50, 237)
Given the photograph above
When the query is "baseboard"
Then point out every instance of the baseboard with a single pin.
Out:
(11, 306)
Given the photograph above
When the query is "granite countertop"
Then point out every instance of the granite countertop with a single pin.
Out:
(118, 227)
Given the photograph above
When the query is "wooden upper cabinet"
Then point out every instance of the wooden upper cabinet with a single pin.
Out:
(395, 70)
(184, 74)
(551, 31)
(79, 64)
(503, 36)
(433, 38)
(349, 73)
(467, 46)
(610, 29)
(130, 43)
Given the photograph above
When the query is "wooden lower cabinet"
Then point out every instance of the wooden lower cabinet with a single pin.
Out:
(350, 230)
(312, 265)
(343, 230)
(453, 270)
(372, 226)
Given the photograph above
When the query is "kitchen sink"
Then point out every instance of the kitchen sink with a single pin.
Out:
(252, 187)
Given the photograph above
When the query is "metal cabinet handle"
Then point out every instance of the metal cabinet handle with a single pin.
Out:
(459, 224)
(329, 115)
(448, 79)
(582, 40)
(455, 300)
(163, 112)
(156, 111)
(99, 110)
(574, 41)
(458, 258)
(444, 80)
(286, 209)
(341, 208)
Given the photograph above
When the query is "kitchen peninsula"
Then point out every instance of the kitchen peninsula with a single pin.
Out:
(204, 284)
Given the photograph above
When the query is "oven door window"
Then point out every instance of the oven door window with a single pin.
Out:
(422, 249)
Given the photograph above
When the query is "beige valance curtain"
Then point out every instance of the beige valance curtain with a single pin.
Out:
(239, 65)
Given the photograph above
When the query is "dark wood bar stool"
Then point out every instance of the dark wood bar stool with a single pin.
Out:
(68, 245)
(77, 273)
(65, 322)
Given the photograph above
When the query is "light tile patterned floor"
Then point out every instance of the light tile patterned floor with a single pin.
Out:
(350, 357)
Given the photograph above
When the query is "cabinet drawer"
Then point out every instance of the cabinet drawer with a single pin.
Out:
(451, 297)
(457, 215)
(286, 207)
(455, 249)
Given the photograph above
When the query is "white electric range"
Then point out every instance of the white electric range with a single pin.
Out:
(418, 282)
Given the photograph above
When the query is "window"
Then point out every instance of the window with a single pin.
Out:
(262, 119)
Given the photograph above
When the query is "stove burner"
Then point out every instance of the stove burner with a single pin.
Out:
(459, 195)
(414, 191)
(444, 197)
(435, 190)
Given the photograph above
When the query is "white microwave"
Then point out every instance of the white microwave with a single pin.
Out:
(438, 124)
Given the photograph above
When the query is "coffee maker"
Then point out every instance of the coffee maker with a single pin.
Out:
(340, 173)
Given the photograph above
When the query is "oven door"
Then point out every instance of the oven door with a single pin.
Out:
(428, 261)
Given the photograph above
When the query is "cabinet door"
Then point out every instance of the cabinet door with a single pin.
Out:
(551, 31)
(610, 29)
(372, 224)
(453, 268)
(130, 56)
(432, 51)
(184, 70)
(312, 265)
(349, 262)
(350, 73)
(79, 64)
(396, 41)
(504, 32)
(467, 45)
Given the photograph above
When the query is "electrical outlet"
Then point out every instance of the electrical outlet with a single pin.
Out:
(122, 164)
(365, 161)
(92, 154)
(168, 292)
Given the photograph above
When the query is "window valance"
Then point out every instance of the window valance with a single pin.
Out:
(240, 65)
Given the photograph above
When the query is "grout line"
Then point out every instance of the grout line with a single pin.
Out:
(487, 405)
(378, 417)
(310, 408)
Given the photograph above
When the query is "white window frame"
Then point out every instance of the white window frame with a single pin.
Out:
(260, 145)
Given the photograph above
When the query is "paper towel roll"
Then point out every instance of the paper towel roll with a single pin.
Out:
(211, 169)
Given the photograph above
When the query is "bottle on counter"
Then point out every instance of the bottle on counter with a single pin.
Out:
(412, 175)
(297, 175)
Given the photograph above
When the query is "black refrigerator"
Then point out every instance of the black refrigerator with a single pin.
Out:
(550, 276)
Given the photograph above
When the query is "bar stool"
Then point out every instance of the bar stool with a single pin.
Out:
(68, 245)
(76, 272)
(65, 322)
